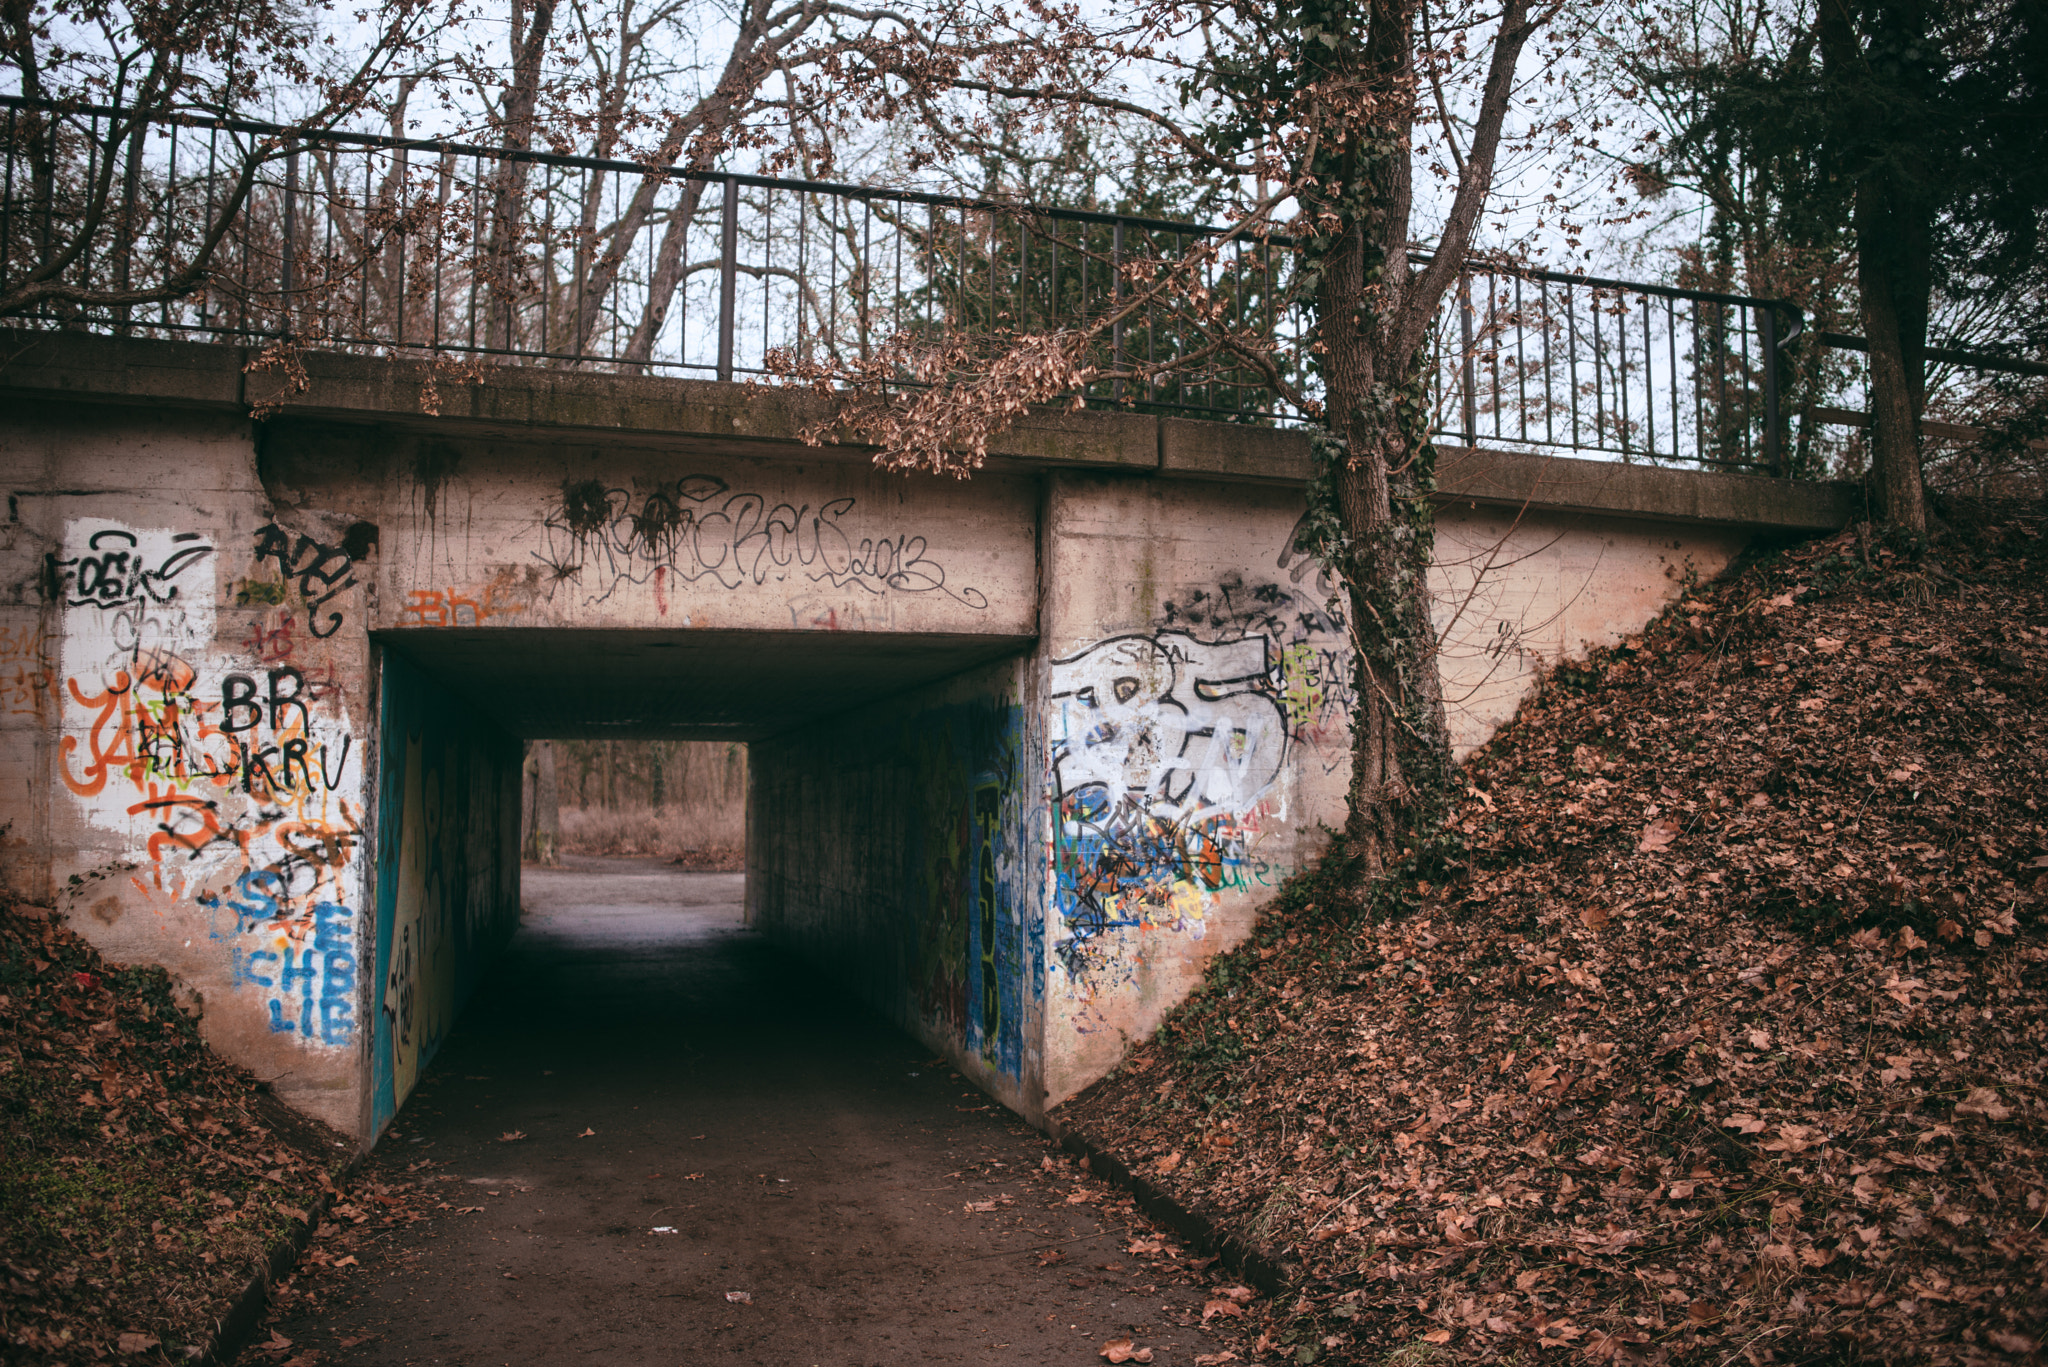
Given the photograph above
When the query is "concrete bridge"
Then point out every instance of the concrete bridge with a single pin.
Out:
(1027, 749)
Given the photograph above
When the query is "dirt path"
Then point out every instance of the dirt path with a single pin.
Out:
(803, 1153)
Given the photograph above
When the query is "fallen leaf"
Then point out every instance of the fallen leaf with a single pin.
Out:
(1658, 835)
(511, 1135)
(1123, 1350)
(1437, 1336)
(1986, 1102)
(740, 1297)
(138, 1343)
(1214, 1359)
(1229, 1309)
(586, 1134)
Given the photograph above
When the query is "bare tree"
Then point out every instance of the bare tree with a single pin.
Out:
(1323, 112)
(100, 219)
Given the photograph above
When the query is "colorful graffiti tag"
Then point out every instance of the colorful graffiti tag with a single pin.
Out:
(227, 776)
(1162, 747)
(972, 953)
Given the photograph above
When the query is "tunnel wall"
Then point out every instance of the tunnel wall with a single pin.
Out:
(447, 871)
(895, 847)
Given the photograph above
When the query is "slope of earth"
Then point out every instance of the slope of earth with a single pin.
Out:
(1718, 1039)
(142, 1178)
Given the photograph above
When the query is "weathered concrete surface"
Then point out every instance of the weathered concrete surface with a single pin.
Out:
(189, 777)
(1196, 704)
(446, 873)
(516, 534)
(204, 760)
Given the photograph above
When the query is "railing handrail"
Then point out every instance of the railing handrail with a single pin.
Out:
(441, 146)
(1976, 360)
(1549, 358)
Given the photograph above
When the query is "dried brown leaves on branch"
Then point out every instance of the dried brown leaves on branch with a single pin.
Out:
(1724, 1042)
(962, 396)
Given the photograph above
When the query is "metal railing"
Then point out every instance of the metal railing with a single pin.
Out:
(408, 247)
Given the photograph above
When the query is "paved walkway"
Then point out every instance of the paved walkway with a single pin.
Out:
(803, 1153)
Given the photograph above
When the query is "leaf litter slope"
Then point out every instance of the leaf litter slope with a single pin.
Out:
(142, 1177)
(1719, 1039)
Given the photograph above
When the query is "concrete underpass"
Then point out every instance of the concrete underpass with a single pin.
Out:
(876, 758)
(1026, 750)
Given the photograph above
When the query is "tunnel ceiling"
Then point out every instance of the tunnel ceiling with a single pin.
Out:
(682, 685)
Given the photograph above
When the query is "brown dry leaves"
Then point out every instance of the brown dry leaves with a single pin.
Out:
(1726, 1037)
(142, 1176)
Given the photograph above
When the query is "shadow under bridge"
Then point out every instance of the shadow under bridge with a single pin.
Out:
(886, 845)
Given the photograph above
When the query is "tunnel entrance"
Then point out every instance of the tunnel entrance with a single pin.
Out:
(885, 832)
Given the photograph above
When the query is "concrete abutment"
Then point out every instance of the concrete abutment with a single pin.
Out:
(1027, 749)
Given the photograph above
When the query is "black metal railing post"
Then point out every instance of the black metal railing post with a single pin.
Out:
(1466, 367)
(1774, 445)
(1116, 303)
(288, 268)
(728, 274)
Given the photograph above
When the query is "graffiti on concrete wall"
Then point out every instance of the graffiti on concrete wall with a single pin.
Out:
(973, 957)
(320, 572)
(697, 530)
(1162, 746)
(1316, 686)
(1167, 750)
(227, 776)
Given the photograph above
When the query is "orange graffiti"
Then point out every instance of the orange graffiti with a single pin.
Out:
(110, 702)
(433, 608)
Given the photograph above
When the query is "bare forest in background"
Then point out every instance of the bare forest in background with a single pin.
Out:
(679, 800)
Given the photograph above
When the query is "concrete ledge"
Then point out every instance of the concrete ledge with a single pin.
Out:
(510, 401)
(705, 417)
(1228, 450)
(86, 365)
(1256, 1265)
(1654, 493)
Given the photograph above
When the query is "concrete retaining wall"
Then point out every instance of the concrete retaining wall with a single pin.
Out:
(190, 765)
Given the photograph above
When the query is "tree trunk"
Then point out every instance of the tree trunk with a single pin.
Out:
(1894, 248)
(500, 268)
(1400, 756)
(669, 266)
(657, 774)
(545, 833)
